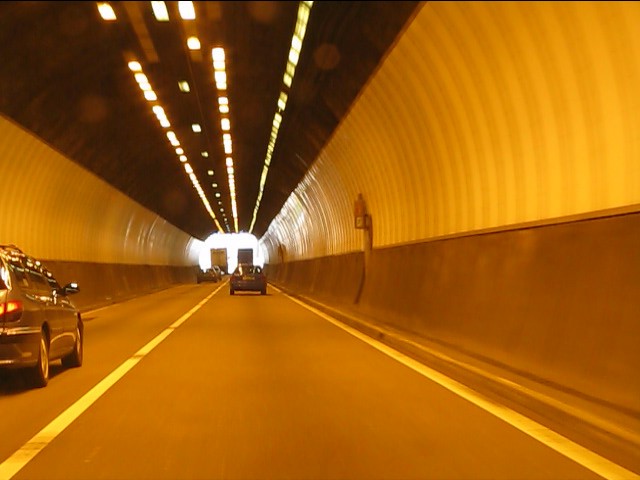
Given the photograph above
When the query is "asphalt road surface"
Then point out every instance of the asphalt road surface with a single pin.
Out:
(192, 383)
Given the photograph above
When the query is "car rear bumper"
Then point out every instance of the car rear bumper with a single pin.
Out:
(19, 347)
(243, 285)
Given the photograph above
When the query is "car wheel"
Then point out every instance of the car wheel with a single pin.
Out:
(74, 359)
(263, 291)
(40, 373)
(232, 291)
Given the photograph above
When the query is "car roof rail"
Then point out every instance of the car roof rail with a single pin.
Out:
(12, 249)
(10, 245)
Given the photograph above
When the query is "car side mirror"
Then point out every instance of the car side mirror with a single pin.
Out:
(70, 288)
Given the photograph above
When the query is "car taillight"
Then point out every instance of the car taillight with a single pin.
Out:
(11, 311)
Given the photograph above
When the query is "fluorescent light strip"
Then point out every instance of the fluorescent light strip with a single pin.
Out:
(160, 11)
(106, 11)
(187, 11)
(304, 10)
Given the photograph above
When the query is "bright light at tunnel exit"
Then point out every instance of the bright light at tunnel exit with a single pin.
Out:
(232, 242)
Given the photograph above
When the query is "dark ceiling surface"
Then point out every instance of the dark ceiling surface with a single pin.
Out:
(64, 77)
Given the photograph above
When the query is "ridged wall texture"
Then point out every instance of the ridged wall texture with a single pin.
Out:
(55, 209)
(483, 115)
(82, 228)
(497, 149)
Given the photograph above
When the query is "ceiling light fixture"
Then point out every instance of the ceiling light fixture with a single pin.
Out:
(106, 11)
(187, 12)
(193, 43)
(160, 11)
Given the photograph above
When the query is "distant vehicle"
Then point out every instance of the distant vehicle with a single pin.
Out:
(209, 275)
(219, 258)
(248, 277)
(245, 255)
(218, 271)
(38, 322)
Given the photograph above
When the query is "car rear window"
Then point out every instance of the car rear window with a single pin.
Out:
(248, 269)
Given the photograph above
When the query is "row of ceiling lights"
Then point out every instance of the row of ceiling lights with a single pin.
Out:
(304, 10)
(187, 12)
(220, 76)
(150, 95)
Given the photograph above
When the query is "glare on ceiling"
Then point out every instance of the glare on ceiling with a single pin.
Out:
(187, 12)
(218, 54)
(106, 11)
(160, 11)
(221, 78)
(193, 43)
(141, 78)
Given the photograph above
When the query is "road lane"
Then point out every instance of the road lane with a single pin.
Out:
(112, 335)
(257, 386)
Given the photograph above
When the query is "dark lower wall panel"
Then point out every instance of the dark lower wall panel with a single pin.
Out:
(336, 278)
(102, 284)
(559, 302)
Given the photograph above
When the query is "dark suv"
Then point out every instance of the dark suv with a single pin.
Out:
(38, 323)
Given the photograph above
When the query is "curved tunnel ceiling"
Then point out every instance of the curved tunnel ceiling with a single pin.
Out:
(65, 77)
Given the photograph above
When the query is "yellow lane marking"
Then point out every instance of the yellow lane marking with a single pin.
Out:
(40, 440)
